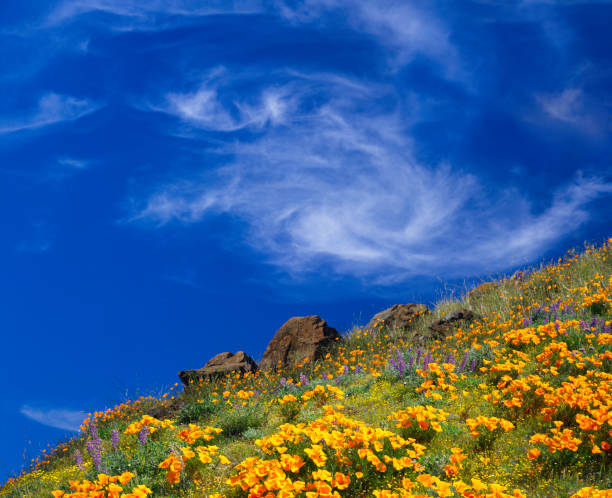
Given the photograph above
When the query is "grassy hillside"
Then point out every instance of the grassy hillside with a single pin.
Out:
(519, 403)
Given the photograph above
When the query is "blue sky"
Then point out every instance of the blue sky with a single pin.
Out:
(178, 178)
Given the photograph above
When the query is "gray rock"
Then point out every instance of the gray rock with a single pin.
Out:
(398, 315)
(219, 366)
(443, 327)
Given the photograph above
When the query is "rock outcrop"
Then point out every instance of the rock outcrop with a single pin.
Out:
(218, 366)
(301, 337)
(442, 328)
(399, 315)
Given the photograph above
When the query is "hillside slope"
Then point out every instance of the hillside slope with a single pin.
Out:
(519, 403)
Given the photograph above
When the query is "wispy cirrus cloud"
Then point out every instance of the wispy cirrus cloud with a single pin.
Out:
(205, 108)
(341, 188)
(73, 164)
(69, 420)
(565, 106)
(64, 168)
(407, 28)
(52, 109)
(573, 107)
(145, 11)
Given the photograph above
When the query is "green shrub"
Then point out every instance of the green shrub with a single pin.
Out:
(237, 421)
(193, 412)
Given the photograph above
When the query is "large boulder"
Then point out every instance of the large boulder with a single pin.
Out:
(301, 337)
(399, 315)
(218, 366)
(442, 328)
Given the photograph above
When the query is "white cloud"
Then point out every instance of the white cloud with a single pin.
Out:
(341, 187)
(52, 109)
(521, 242)
(72, 163)
(572, 107)
(204, 108)
(69, 420)
(564, 106)
(407, 28)
(144, 11)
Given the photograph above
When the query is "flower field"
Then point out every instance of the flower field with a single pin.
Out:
(516, 404)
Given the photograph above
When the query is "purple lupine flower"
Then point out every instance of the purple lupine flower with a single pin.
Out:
(526, 322)
(346, 369)
(93, 430)
(115, 439)
(143, 434)
(78, 459)
(357, 369)
(401, 364)
(303, 379)
(450, 358)
(338, 380)
(283, 382)
(606, 329)
(583, 325)
(473, 365)
(418, 357)
(393, 363)
(427, 361)
(410, 362)
(93, 448)
(400, 358)
(463, 362)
